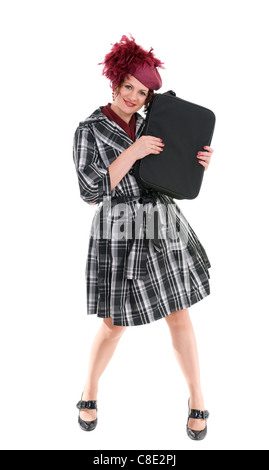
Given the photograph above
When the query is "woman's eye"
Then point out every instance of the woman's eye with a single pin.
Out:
(129, 87)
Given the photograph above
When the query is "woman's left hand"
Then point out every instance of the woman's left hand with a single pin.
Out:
(205, 156)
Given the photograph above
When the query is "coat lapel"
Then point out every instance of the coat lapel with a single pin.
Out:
(111, 133)
(140, 122)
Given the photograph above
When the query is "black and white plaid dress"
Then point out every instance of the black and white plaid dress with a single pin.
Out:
(136, 278)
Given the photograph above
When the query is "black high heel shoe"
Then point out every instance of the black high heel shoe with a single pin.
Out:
(197, 414)
(90, 405)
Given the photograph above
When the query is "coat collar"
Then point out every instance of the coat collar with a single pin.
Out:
(110, 132)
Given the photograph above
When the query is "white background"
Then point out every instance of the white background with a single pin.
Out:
(216, 55)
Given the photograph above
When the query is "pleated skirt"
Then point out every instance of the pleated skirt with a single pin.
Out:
(175, 279)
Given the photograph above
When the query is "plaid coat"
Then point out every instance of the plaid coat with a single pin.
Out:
(142, 274)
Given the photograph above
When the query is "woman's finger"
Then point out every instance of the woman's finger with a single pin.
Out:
(157, 142)
(158, 149)
(204, 164)
(208, 148)
(154, 140)
(204, 153)
(204, 157)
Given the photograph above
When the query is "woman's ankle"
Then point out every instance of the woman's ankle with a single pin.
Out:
(196, 400)
(89, 393)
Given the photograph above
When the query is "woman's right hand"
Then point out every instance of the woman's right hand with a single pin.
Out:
(146, 145)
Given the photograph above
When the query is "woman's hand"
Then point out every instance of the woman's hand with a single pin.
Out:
(146, 145)
(205, 156)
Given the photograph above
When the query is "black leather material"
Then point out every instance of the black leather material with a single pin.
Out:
(144, 196)
(87, 425)
(89, 405)
(185, 129)
(197, 414)
(197, 435)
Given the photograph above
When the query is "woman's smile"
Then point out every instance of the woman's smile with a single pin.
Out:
(128, 103)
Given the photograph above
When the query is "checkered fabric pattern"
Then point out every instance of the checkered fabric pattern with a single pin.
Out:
(128, 277)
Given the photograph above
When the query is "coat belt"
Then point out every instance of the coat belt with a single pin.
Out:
(145, 196)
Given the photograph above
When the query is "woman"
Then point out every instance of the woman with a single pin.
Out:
(132, 280)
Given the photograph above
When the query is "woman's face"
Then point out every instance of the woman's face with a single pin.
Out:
(131, 95)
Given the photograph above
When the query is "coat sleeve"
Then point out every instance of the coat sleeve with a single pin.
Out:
(93, 176)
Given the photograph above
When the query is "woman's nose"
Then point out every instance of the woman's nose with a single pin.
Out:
(132, 96)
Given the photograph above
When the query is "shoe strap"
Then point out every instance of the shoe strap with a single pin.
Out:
(90, 405)
(198, 414)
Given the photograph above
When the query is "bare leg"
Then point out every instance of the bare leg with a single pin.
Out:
(103, 348)
(185, 349)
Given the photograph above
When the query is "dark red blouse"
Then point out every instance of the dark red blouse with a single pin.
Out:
(129, 129)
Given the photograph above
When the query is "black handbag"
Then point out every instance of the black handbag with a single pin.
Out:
(185, 129)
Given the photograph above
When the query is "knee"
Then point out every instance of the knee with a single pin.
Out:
(112, 331)
(178, 319)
